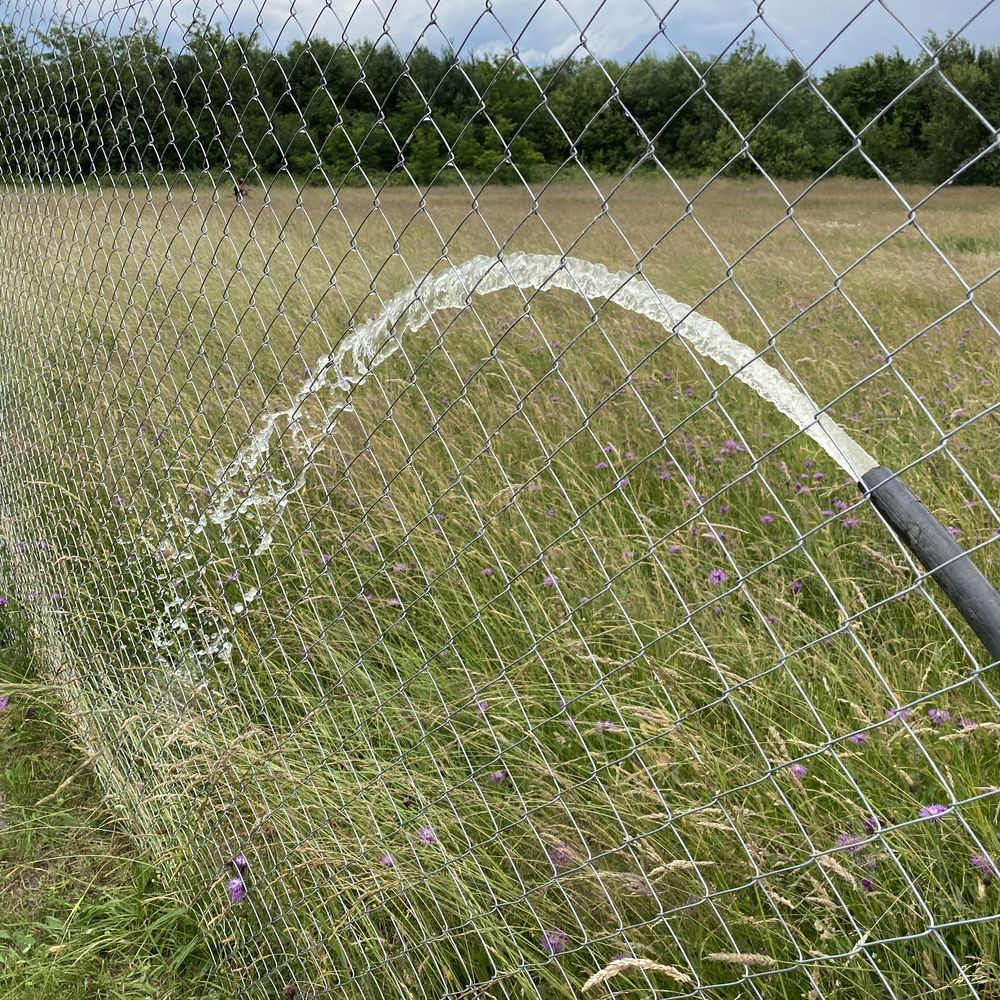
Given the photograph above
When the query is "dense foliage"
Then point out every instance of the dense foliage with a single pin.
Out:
(225, 103)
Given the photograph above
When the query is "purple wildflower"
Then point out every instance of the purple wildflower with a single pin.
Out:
(3, 601)
(868, 885)
(548, 581)
(605, 727)
(718, 576)
(982, 865)
(498, 777)
(839, 505)
(874, 823)
(554, 941)
(933, 812)
(797, 771)
(486, 571)
(387, 861)
(849, 842)
(236, 888)
(898, 713)
(4, 701)
(767, 519)
(481, 707)
(939, 716)
(427, 835)
(675, 550)
(560, 855)
(601, 465)
(859, 739)
(326, 559)
(241, 862)
(796, 586)
(850, 522)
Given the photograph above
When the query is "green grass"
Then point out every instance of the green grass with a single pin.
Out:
(346, 718)
(84, 913)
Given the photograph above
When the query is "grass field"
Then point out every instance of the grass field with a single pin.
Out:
(85, 914)
(565, 646)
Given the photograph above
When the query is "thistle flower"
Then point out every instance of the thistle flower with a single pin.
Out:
(481, 707)
(933, 812)
(4, 701)
(767, 519)
(3, 601)
(387, 861)
(498, 777)
(859, 738)
(548, 581)
(718, 576)
(849, 842)
(868, 885)
(236, 888)
(241, 862)
(982, 865)
(796, 586)
(850, 522)
(605, 727)
(939, 716)
(874, 823)
(326, 559)
(898, 713)
(427, 835)
(797, 771)
(553, 941)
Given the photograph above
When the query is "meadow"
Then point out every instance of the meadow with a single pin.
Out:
(548, 649)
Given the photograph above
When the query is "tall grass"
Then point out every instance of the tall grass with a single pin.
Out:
(563, 630)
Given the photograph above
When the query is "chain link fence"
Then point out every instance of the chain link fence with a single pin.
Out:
(450, 608)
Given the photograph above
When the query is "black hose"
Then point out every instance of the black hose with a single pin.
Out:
(944, 559)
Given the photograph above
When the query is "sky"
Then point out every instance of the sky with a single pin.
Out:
(821, 33)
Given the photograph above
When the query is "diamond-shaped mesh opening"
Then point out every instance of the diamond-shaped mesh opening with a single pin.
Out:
(433, 443)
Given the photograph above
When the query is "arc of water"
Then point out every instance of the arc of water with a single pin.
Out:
(371, 343)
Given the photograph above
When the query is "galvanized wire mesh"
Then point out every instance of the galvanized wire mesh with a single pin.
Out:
(448, 628)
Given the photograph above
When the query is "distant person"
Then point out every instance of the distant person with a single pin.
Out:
(240, 189)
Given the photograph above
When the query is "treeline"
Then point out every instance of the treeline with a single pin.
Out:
(76, 103)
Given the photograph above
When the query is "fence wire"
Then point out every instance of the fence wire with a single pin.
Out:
(448, 607)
